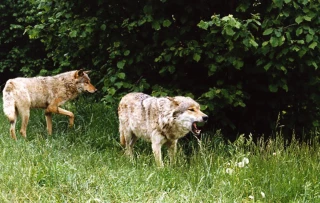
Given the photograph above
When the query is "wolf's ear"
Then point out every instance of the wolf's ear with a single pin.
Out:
(87, 71)
(174, 102)
(78, 73)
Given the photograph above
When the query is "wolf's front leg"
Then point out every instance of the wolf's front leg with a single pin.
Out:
(156, 148)
(157, 140)
(55, 109)
(67, 113)
(172, 150)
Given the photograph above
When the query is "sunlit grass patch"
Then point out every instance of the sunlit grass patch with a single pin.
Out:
(87, 164)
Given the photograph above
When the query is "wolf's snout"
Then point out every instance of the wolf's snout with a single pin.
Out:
(205, 118)
(92, 90)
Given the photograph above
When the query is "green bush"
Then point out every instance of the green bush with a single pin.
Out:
(252, 65)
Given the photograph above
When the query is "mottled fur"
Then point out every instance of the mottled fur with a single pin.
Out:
(22, 94)
(162, 121)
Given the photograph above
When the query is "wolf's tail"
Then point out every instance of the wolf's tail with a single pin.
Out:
(8, 101)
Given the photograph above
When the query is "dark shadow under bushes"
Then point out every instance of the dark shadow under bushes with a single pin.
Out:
(95, 123)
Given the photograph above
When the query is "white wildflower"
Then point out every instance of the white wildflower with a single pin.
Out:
(263, 195)
(251, 197)
(240, 164)
(229, 171)
(245, 160)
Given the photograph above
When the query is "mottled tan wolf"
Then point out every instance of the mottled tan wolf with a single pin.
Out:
(22, 94)
(160, 120)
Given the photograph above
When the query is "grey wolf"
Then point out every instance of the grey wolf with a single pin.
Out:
(159, 120)
(22, 94)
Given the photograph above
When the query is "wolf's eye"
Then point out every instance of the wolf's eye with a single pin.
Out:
(191, 109)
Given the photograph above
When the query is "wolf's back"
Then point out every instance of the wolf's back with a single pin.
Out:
(8, 100)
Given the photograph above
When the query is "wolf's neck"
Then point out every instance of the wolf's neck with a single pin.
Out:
(174, 130)
(70, 88)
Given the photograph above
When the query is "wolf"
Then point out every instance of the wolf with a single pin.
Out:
(159, 120)
(22, 94)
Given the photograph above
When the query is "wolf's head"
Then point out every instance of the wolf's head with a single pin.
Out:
(187, 113)
(83, 82)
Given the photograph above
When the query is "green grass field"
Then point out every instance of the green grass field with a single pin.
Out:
(86, 164)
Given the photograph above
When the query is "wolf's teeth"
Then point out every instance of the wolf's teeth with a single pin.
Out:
(195, 126)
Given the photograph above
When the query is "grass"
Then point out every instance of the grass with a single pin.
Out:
(86, 164)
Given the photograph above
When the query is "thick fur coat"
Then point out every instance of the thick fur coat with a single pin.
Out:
(22, 94)
(162, 121)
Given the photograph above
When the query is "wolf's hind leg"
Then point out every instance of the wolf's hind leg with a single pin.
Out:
(13, 128)
(128, 139)
(49, 122)
(25, 114)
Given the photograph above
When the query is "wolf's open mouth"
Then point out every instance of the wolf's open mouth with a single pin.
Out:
(195, 129)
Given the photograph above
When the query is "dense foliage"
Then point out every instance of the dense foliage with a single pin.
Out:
(18, 54)
(252, 64)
